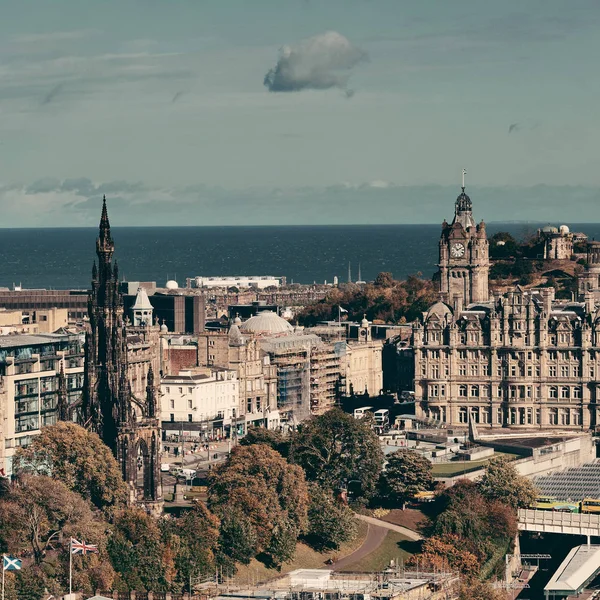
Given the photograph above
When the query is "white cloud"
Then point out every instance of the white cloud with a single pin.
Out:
(316, 63)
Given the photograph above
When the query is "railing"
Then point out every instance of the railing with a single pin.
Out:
(539, 520)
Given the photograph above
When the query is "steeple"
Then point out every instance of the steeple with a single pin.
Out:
(105, 246)
(463, 211)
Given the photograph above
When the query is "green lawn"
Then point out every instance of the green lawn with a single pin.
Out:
(305, 558)
(453, 468)
(394, 547)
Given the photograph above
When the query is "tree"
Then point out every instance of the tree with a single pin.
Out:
(481, 524)
(335, 449)
(257, 482)
(479, 590)
(39, 513)
(447, 552)
(270, 437)
(406, 473)
(384, 280)
(79, 459)
(238, 538)
(502, 482)
(330, 523)
(198, 531)
(136, 550)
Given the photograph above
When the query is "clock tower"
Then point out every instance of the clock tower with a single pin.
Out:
(464, 256)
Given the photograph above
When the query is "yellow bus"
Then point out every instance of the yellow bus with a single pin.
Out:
(590, 505)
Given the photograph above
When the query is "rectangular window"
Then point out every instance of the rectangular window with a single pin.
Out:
(181, 390)
(474, 369)
(172, 403)
(564, 371)
(172, 418)
(189, 404)
(258, 404)
(462, 370)
(485, 369)
(249, 405)
(190, 418)
(552, 371)
(190, 390)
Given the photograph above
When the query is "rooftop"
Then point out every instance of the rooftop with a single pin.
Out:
(16, 341)
(576, 571)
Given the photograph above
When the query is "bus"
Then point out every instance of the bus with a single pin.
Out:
(551, 503)
(359, 413)
(382, 417)
(590, 505)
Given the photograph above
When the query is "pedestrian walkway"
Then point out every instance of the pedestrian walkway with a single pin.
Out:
(409, 533)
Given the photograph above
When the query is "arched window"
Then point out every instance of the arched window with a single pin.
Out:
(474, 391)
(565, 392)
(553, 392)
(462, 391)
(462, 415)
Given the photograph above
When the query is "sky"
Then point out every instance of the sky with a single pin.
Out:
(236, 112)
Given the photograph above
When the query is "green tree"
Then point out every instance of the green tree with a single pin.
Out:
(330, 523)
(502, 482)
(238, 538)
(79, 459)
(406, 473)
(39, 513)
(270, 437)
(479, 590)
(136, 550)
(258, 482)
(335, 448)
(198, 530)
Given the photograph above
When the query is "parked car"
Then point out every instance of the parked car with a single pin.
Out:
(165, 467)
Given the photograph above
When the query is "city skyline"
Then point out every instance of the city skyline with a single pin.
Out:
(344, 112)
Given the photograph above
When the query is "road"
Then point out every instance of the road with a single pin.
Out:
(374, 538)
(409, 533)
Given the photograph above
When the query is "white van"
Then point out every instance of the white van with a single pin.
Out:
(188, 474)
(359, 413)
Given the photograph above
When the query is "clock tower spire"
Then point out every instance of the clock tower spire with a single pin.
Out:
(464, 256)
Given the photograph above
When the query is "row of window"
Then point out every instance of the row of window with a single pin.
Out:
(513, 391)
(521, 416)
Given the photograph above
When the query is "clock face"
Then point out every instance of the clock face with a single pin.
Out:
(457, 250)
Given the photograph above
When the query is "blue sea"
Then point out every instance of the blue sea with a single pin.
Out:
(62, 258)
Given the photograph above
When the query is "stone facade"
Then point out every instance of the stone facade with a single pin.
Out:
(119, 394)
(521, 359)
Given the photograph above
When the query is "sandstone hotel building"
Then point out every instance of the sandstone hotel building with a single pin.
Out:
(521, 359)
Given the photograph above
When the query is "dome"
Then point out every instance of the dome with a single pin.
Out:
(172, 285)
(164, 328)
(268, 323)
(563, 229)
(237, 321)
(364, 322)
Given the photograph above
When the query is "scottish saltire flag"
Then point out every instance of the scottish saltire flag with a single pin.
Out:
(82, 547)
(11, 564)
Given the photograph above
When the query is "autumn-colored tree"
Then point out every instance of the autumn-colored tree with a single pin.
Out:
(406, 473)
(385, 299)
(335, 449)
(447, 552)
(502, 482)
(40, 512)
(479, 590)
(330, 522)
(76, 457)
(257, 482)
(136, 551)
(481, 524)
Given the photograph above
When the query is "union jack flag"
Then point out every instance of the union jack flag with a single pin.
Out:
(82, 547)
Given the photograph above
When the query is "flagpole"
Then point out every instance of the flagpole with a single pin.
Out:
(3, 570)
(70, 568)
